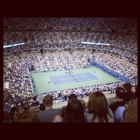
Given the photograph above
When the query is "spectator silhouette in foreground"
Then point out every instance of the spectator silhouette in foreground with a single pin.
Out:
(28, 116)
(74, 113)
(131, 112)
(129, 94)
(6, 117)
(128, 112)
(98, 110)
(64, 107)
(84, 105)
(48, 114)
(12, 113)
(42, 107)
(17, 114)
(119, 99)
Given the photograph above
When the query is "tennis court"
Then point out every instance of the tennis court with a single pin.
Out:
(72, 78)
(60, 81)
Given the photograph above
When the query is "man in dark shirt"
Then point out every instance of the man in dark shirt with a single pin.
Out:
(128, 92)
(119, 99)
(48, 114)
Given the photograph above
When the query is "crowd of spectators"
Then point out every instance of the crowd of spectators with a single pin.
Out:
(79, 22)
(97, 109)
(67, 52)
(125, 108)
(16, 73)
(69, 37)
(121, 46)
(12, 98)
(121, 68)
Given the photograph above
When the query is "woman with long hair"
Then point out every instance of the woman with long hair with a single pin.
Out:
(98, 110)
(28, 116)
(74, 112)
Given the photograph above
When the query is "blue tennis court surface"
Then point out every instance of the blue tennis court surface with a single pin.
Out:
(72, 78)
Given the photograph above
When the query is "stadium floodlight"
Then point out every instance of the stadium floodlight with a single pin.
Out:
(12, 45)
(95, 43)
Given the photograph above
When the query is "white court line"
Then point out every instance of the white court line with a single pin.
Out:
(66, 84)
(76, 79)
(85, 76)
(66, 78)
(61, 79)
(54, 84)
(75, 82)
(95, 75)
